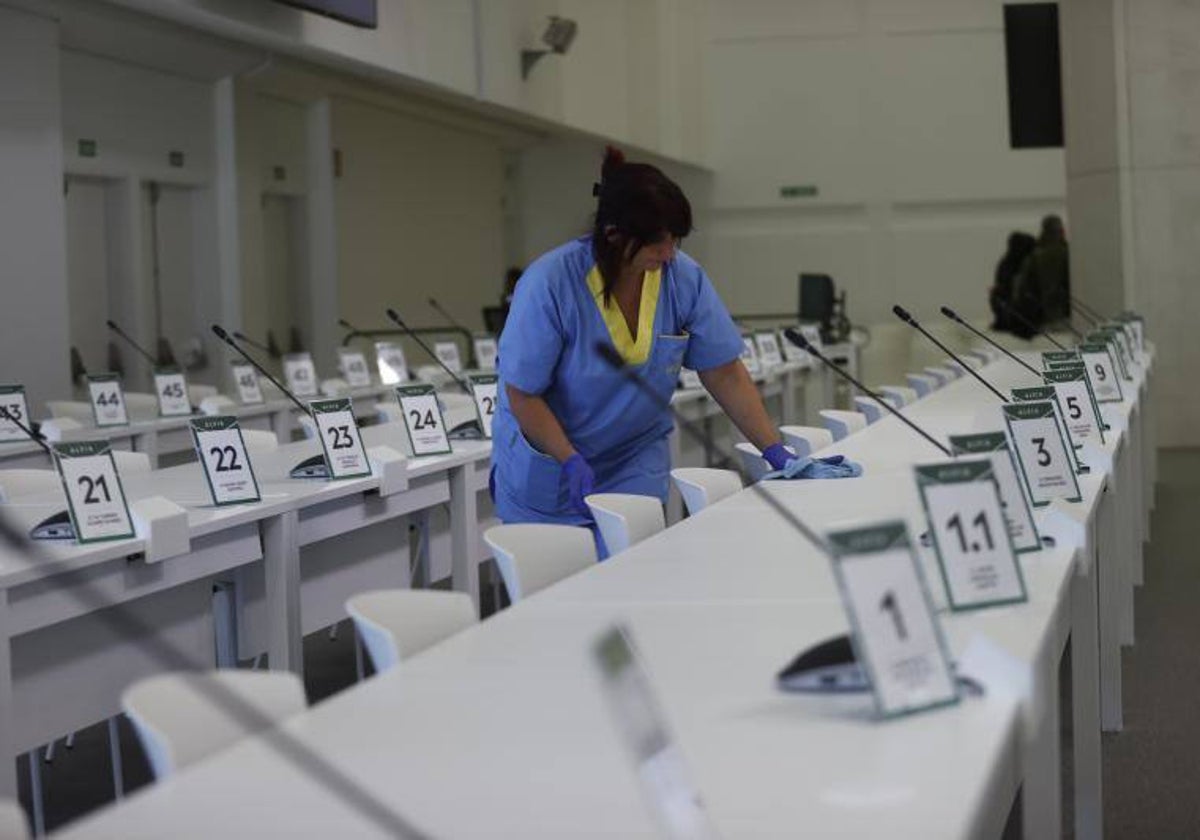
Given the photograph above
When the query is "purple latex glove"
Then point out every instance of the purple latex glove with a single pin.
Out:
(777, 455)
(581, 481)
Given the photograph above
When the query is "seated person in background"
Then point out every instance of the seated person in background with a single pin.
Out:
(1042, 291)
(1000, 296)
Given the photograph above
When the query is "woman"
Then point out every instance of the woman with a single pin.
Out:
(568, 424)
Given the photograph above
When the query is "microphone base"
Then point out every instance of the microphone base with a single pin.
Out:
(828, 667)
(466, 431)
(56, 527)
(314, 467)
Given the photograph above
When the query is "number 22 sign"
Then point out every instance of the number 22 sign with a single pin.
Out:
(226, 465)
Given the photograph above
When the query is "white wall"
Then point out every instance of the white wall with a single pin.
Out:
(895, 110)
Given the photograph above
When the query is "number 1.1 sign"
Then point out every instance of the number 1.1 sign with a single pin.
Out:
(226, 465)
(338, 431)
(962, 504)
(423, 419)
(95, 498)
(895, 633)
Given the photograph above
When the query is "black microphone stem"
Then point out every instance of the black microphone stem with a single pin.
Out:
(903, 315)
(35, 437)
(257, 345)
(794, 336)
(224, 336)
(953, 316)
(1030, 325)
(112, 326)
(610, 355)
(395, 316)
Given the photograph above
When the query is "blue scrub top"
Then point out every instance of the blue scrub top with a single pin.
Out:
(548, 349)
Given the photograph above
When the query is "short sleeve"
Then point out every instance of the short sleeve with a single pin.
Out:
(714, 339)
(532, 340)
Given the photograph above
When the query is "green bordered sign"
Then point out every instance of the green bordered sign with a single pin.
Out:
(389, 359)
(1112, 337)
(1046, 467)
(300, 374)
(340, 439)
(1102, 372)
(484, 387)
(226, 463)
(12, 401)
(1050, 357)
(1058, 367)
(485, 352)
(1138, 324)
(353, 365)
(170, 387)
(894, 630)
(1078, 403)
(447, 353)
(108, 400)
(423, 419)
(245, 377)
(768, 348)
(1046, 393)
(95, 498)
(977, 558)
(1013, 500)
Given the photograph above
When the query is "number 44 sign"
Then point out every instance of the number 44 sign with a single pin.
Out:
(95, 499)
(423, 419)
(338, 431)
(226, 466)
(962, 504)
(895, 633)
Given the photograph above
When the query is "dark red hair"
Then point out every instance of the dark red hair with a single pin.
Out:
(639, 203)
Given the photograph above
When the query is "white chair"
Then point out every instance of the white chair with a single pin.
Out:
(259, 441)
(183, 717)
(17, 483)
(532, 556)
(12, 821)
(73, 410)
(395, 624)
(922, 383)
(902, 396)
(131, 463)
(703, 486)
(872, 410)
(753, 463)
(141, 406)
(625, 519)
(806, 440)
(841, 424)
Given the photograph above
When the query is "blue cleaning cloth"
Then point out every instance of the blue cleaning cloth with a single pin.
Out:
(834, 466)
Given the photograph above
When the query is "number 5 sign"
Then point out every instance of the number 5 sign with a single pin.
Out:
(338, 431)
(423, 420)
(95, 499)
(223, 455)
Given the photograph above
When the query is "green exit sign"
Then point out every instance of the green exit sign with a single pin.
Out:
(798, 191)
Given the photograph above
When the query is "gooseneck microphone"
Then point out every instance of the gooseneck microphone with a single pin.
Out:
(793, 335)
(59, 525)
(145, 354)
(314, 467)
(395, 316)
(30, 433)
(342, 322)
(902, 313)
(1011, 310)
(953, 316)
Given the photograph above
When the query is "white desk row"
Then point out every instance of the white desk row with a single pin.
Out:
(503, 730)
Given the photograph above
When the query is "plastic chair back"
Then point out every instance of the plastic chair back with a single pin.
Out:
(703, 486)
(532, 556)
(625, 519)
(396, 624)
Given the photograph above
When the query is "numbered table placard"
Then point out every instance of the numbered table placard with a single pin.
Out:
(353, 366)
(895, 632)
(1138, 324)
(108, 400)
(95, 498)
(1102, 372)
(447, 353)
(1013, 502)
(170, 387)
(1111, 337)
(977, 558)
(226, 464)
(1050, 357)
(1080, 411)
(245, 377)
(12, 401)
(485, 353)
(344, 452)
(389, 359)
(1046, 393)
(423, 419)
(768, 348)
(485, 390)
(1046, 467)
(750, 356)
(300, 374)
